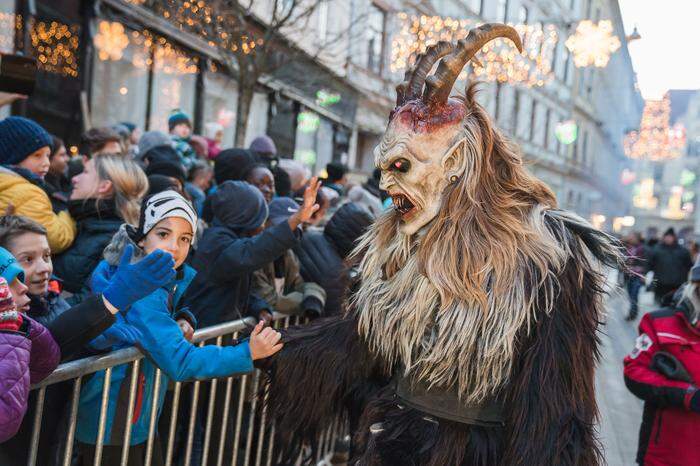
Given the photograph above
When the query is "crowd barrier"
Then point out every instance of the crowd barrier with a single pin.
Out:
(252, 442)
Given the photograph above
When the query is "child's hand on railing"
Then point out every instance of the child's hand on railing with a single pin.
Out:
(264, 341)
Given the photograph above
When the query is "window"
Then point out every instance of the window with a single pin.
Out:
(502, 11)
(220, 106)
(120, 89)
(7, 26)
(584, 149)
(323, 20)
(533, 115)
(523, 15)
(376, 22)
(174, 85)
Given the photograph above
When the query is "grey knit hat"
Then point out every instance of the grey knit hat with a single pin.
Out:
(151, 139)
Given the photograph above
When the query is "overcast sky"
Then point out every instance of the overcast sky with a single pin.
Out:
(668, 55)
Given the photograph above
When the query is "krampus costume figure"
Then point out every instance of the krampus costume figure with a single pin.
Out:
(471, 335)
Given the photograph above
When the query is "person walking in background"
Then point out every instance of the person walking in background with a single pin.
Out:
(214, 134)
(670, 263)
(636, 265)
(105, 195)
(337, 177)
(180, 128)
(24, 154)
(28, 354)
(663, 369)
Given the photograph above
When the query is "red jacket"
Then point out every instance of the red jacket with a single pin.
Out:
(670, 431)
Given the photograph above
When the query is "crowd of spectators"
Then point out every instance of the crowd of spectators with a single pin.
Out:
(141, 238)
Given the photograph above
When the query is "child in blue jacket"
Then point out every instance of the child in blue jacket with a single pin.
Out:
(168, 222)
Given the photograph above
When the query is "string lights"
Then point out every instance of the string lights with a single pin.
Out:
(656, 140)
(56, 47)
(501, 60)
(592, 44)
(111, 40)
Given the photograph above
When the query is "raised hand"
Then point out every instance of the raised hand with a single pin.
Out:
(309, 207)
(264, 341)
(132, 282)
(118, 334)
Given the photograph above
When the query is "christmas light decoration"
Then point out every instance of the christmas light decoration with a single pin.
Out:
(655, 140)
(56, 47)
(644, 195)
(111, 40)
(501, 60)
(592, 44)
(326, 98)
(566, 132)
(674, 211)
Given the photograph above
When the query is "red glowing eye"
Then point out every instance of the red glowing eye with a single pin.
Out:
(401, 165)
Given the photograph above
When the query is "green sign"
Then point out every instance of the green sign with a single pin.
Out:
(566, 132)
(308, 122)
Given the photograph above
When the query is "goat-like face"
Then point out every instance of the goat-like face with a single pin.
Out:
(419, 156)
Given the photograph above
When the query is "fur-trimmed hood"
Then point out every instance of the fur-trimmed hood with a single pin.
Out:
(114, 250)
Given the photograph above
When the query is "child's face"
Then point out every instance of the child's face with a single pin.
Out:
(33, 254)
(182, 130)
(19, 294)
(172, 235)
(38, 162)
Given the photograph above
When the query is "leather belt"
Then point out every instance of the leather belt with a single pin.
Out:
(446, 404)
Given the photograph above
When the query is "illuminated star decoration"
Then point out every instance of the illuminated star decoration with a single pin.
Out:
(591, 44)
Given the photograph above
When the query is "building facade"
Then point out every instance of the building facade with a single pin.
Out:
(331, 103)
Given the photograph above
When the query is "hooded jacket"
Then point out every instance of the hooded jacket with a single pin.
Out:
(165, 348)
(30, 200)
(668, 435)
(98, 221)
(26, 357)
(322, 255)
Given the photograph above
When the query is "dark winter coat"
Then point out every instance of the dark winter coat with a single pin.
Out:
(322, 255)
(669, 432)
(26, 357)
(670, 264)
(58, 189)
(225, 263)
(97, 224)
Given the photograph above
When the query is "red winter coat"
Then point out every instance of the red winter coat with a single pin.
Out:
(670, 431)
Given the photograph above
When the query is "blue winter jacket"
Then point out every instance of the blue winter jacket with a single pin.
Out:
(165, 348)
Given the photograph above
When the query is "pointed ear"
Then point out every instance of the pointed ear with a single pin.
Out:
(454, 162)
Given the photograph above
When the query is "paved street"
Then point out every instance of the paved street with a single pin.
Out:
(620, 411)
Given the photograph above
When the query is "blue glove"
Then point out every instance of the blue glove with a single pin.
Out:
(132, 282)
(121, 334)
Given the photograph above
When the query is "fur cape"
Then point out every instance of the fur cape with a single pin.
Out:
(336, 368)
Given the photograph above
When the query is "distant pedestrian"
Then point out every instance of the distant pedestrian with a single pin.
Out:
(670, 263)
(180, 128)
(637, 267)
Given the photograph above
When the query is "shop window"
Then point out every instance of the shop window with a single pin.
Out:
(314, 140)
(120, 84)
(257, 117)
(376, 22)
(502, 11)
(174, 84)
(220, 105)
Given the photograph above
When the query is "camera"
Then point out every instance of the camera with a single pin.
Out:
(17, 74)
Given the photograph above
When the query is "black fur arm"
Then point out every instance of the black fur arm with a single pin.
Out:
(551, 401)
(323, 373)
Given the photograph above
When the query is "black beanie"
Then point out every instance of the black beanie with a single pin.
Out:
(167, 168)
(670, 231)
(336, 171)
(233, 164)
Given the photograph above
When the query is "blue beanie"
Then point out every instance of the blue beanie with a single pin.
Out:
(239, 206)
(9, 268)
(178, 116)
(20, 138)
(281, 208)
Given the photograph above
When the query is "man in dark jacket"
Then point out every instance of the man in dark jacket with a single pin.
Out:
(322, 255)
(234, 247)
(664, 370)
(670, 262)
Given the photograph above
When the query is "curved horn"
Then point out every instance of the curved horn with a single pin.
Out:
(439, 85)
(414, 78)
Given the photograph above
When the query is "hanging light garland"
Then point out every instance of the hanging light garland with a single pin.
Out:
(592, 44)
(56, 47)
(501, 60)
(656, 140)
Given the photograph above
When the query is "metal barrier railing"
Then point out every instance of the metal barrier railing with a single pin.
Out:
(249, 445)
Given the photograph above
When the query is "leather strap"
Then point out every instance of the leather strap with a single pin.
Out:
(445, 404)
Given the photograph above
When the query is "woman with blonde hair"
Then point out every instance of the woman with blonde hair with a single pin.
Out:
(106, 194)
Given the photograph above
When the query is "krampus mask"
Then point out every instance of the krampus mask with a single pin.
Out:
(426, 146)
